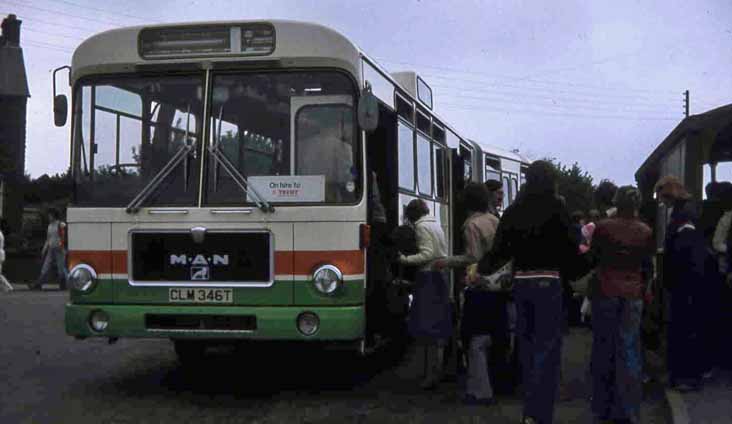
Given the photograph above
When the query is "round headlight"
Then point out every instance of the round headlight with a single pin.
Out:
(99, 321)
(327, 279)
(82, 278)
(308, 323)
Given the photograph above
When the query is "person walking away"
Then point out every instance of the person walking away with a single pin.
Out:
(621, 246)
(54, 252)
(535, 232)
(684, 278)
(430, 317)
(4, 284)
(476, 325)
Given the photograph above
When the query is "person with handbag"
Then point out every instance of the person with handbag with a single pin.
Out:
(478, 323)
(430, 317)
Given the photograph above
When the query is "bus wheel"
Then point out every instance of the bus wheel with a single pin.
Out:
(189, 351)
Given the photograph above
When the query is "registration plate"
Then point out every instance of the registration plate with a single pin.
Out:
(201, 295)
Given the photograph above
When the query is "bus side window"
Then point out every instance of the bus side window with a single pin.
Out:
(507, 195)
(439, 167)
(406, 156)
(424, 165)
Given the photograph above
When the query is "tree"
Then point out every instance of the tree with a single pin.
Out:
(575, 185)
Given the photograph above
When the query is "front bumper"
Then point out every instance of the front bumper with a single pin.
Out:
(337, 323)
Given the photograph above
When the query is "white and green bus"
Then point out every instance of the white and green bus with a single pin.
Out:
(222, 173)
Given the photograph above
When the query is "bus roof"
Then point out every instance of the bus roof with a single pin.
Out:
(496, 151)
(117, 50)
(296, 44)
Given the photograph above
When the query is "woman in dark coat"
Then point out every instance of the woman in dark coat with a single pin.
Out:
(686, 279)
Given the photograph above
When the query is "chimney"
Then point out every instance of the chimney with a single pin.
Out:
(11, 31)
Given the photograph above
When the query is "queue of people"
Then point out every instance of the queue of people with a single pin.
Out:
(526, 258)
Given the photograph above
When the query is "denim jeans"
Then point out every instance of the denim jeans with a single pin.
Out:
(539, 332)
(54, 257)
(479, 382)
(617, 363)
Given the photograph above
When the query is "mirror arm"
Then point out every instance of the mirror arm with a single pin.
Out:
(54, 76)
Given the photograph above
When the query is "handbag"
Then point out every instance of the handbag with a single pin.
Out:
(501, 280)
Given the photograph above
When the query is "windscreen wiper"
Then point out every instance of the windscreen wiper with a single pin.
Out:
(180, 156)
(221, 160)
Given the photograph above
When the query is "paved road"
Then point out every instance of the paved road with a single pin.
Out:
(47, 377)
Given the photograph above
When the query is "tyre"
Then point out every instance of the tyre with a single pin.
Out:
(189, 351)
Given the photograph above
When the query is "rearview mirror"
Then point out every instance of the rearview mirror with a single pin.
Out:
(60, 110)
(368, 110)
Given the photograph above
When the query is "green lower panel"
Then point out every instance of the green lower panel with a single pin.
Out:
(351, 293)
(337, 323)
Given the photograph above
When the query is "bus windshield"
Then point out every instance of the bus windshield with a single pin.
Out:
(255, 118)
(129, 129)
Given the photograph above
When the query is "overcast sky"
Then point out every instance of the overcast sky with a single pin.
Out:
(601, 85)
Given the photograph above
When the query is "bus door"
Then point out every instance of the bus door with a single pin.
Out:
(461, 175)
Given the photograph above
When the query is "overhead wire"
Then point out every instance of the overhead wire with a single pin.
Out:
(553, 95)
(582, 91)
(597, 96)
(512, 78)
(556, 114)
(33, 43)
(34, 20)
(551, 106)
(53, 34)
(558, 105)
(71, 15)
(139, 18)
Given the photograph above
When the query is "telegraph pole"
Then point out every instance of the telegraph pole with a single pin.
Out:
(686, 103)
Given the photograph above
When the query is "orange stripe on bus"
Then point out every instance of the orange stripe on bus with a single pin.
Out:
(101, 261)
(119, 261)
(348, 261)
(283, 262)
(286, 262)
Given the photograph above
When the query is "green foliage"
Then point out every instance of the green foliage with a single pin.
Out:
(575, 185)
(47, 190)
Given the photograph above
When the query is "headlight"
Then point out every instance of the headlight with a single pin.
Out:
(308, 323)
(99, 321)
(82, 278)
(327, 279)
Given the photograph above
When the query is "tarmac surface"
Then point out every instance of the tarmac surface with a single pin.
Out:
(49, 378)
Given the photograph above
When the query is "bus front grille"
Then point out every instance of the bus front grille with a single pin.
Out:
(200, 323)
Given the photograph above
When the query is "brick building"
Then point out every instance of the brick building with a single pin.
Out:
(13, 99)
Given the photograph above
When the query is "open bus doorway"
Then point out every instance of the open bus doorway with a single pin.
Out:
(386, 304)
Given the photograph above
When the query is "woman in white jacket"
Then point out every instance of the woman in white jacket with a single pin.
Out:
(430, 317)
(4, 284)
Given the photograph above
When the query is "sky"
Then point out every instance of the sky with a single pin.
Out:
(597, 83)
